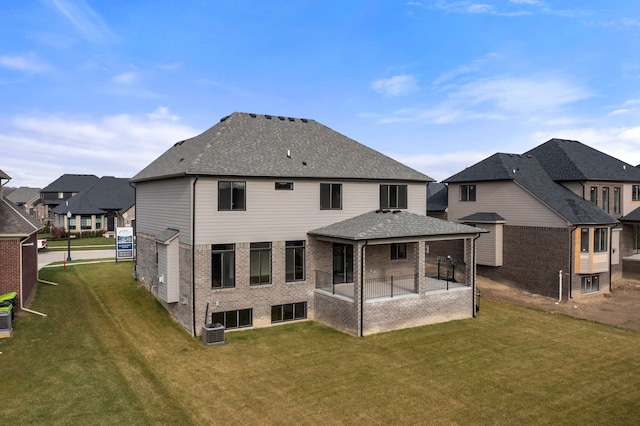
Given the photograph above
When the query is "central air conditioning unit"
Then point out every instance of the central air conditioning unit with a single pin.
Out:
(213, 334)
(5, 323)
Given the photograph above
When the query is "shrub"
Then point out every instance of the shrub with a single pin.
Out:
(57, 232)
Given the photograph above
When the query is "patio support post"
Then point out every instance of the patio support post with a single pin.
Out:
(362, 288)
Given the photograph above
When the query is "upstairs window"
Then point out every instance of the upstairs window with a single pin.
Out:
(594, 195)
(231, 195)
(616, 199)
(467, 192)
(330, 196)
(393, 196)
(635, 193)
(600, 240)
(605, 199)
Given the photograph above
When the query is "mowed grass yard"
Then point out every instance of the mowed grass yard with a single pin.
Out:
(108, 353)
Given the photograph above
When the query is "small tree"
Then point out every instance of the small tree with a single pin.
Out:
(57, 232)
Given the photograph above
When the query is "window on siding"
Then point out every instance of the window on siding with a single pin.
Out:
(284, 185)
(635, 193)
(234, 319)
(590, 284)
(467, 192)
(398, 251)
(98, 222)
(85, 222)
(393, 196)
(616, 199)
(223, 266)
(231, 195)
(260, 263)
(605, 199)
(288, 312)
(330, 196)
(295, 261)
(594, 195)
(584, 240)
(600, 240)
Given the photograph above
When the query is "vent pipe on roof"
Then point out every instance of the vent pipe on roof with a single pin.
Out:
(288, 153)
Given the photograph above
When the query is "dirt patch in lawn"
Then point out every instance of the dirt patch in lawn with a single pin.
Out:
(621, 307)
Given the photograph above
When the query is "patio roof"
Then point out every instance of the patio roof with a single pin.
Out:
(386, 224)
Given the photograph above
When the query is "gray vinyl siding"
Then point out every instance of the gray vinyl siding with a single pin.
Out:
(507, 199)
(575, 187)
(279, 215)
(164, 204)
(628, 205)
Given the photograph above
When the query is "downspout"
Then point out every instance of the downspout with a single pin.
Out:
(570, 295)
(22, 308)
(193, 258)
(362, 288)
(474, 306)
(610, 255)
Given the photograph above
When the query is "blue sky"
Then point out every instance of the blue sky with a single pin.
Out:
(104, 87)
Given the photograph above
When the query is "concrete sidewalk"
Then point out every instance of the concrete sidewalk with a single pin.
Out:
(46, 258)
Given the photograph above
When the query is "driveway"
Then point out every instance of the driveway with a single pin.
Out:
(621, 307)
(44, 258)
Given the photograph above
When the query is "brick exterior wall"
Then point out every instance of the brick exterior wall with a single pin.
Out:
(10, 269)
(631, 269)
(532, 259)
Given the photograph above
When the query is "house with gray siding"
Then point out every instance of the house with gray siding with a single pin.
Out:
(262, 219)
(562, 218)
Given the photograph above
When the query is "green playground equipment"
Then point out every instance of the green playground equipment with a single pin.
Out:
(8, 302)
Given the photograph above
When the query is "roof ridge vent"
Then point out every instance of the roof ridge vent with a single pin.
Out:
(281, 118)
(396, 211)
(304, 120)
(268, 117)
(224, 118)
(253, 115)
(292, 119)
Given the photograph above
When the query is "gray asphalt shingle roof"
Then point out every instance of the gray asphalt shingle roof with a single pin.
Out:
(377, 225)
(634, 216)
(23, 195)
(568, 160)
(14, 221)
(527, 171)
(270, 146)
(483, 217)
(107, 193)
(437, 197)
(71, 183)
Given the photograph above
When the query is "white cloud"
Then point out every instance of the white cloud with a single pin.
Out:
(25, 63)
(125, 78)
(41, 148)
(531, 2)
(85, 19)
(398, 85)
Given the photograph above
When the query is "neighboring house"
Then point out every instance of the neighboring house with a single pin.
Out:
(18, 250)
(437, 200)
(553, 214)
(60, 191)
(104, 206)
(27, 198)
(264, 219)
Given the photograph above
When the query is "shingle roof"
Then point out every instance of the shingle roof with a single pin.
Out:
(270, 146)
(568, 160)
(3, 175)
(527, 171)
(108, 193)
(634, 216)
(379, 225)
(437, 197)
(483, 217)
(14, 221)
(23, 195)
(71, 183)
(167, 235)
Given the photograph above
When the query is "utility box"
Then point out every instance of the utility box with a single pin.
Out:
(213, 334)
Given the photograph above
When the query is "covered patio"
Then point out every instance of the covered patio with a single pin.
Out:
(372, 272)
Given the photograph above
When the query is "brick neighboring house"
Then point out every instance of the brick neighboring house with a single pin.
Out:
(264, 219)
(60, 191)
(18, 249)
(106, 204)
(562, 206)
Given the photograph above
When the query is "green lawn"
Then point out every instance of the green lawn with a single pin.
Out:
(108, 353)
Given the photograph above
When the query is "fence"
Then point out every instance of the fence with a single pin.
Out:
(390, 286)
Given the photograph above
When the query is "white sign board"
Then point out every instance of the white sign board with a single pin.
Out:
(124, 242)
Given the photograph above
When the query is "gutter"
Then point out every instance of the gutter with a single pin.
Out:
(135, 234)
(362, 287)
(193, 258)
(569, 295)
(474, 305)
